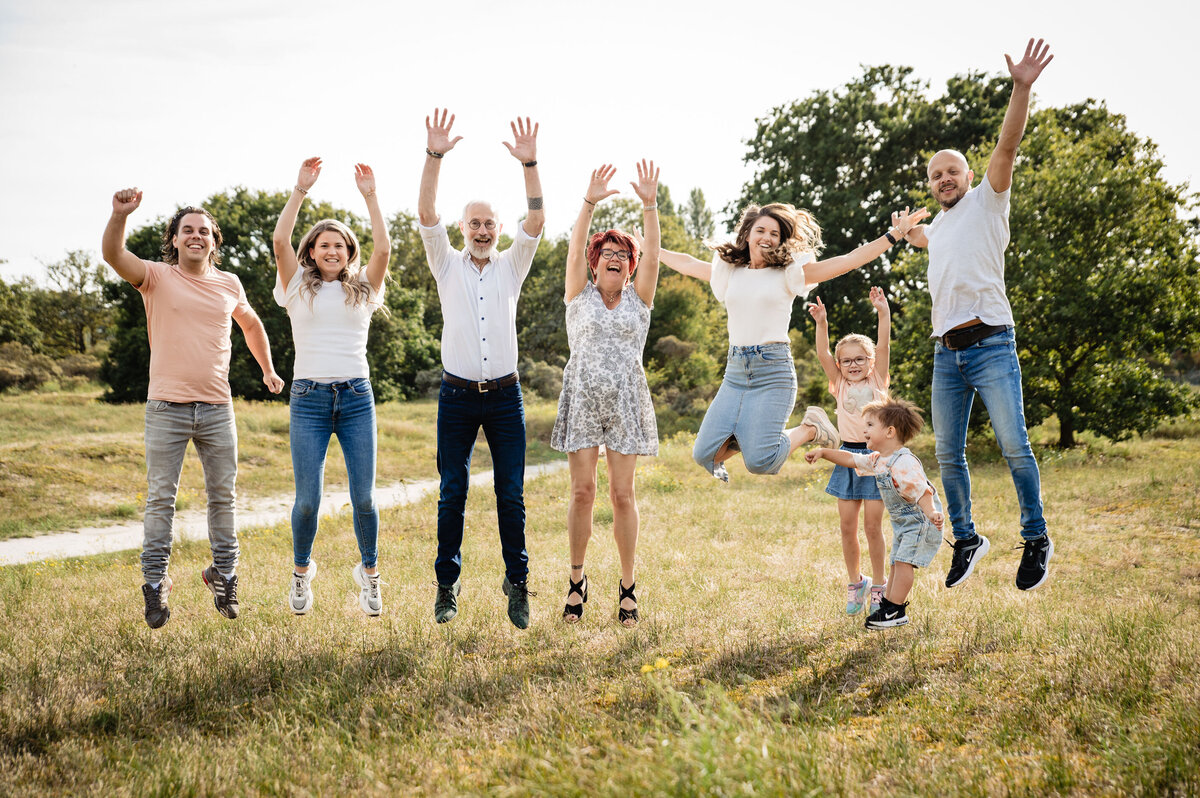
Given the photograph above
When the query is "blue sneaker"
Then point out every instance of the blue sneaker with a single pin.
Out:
(856, 595)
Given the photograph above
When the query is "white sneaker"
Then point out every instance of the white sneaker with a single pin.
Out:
(827, 434)
(368, 598)
(300, 599)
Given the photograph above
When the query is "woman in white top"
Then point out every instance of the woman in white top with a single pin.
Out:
(330, 301)
(757, 276)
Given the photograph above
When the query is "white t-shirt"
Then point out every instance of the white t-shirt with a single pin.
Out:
(331, 336)
(966, 260)
(758, 302)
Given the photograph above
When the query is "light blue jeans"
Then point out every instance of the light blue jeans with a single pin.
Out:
(169, 427)
(989, 368)
(318, 411)
(753, 405)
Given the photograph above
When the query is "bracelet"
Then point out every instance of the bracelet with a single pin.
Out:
(589, 202)
(890, 238)
(301, 190)
(434, 154)
(528, 164)
(647, 208)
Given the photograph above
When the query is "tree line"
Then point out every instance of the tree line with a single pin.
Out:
(1102, 271)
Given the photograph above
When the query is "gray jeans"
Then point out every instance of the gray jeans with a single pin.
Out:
(169, 427)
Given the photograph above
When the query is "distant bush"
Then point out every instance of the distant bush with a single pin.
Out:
(80, 365)
(23, 370)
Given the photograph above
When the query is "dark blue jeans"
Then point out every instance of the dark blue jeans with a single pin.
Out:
(501, 414)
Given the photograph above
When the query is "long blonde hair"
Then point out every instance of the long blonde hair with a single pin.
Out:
(357, 291)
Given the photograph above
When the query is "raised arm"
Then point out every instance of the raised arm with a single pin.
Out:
(260, 348)
(381, 245)
(646, 188)
(686, 264)
(124, 262)
(281, 240)
(1024, 73)
(823, 270)
(883, 338)
(817, 311)
(524, 149)
(437, 144)
(576, 276)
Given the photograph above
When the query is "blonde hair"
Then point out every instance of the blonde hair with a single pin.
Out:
(853, 338)
(357, 291)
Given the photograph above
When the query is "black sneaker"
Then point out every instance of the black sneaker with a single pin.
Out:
(887, 616)
(966, 554)
(157, 611)
(445, 606)
(1035, 563)
(224, 591)
(518, 602)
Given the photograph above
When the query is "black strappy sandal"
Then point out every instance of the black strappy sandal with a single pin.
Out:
(573, 612)
(626, 617)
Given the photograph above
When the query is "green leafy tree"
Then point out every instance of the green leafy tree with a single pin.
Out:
(17, 315)
(74, 314)
(1102, 274)
(697, 217)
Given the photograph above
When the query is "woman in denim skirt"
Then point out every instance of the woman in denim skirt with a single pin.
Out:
(330, 301)
(757, 276)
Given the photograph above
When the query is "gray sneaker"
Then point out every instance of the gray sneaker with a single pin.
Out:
(224, 591)
(518, 602)
(368, 597)
(157, 611)
(300, 597)
(445, 606)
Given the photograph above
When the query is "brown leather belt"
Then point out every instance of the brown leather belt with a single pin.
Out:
(966, 336)
(482, 387)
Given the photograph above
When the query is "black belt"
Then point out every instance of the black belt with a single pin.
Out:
(966, 336)
(482, 387)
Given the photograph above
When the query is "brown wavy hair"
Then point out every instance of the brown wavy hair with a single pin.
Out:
(170, 252)
(798, 232)
(357, 291)
(623, 240)
(904, 416)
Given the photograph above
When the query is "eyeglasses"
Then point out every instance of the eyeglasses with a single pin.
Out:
(861, 360)
(619, 254)
(475, 224)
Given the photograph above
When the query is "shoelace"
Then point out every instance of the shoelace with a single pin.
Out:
(299, 583)
(231, 590)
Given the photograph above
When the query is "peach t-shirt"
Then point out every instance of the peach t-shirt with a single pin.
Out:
(851, 397)
(188, 321)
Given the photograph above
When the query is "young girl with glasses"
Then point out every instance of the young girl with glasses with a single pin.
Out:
(858, 375)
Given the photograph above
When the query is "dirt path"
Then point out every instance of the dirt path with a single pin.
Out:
(193, 524)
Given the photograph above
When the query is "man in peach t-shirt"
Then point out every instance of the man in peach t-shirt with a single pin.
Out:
(189, 305)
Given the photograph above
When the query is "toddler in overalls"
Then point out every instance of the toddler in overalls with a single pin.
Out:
(908, 495)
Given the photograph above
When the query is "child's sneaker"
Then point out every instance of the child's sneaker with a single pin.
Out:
(877, 596)
(887, 616)
(856, 595)
(827, 434)
(224, 591)
(157, 611)
(300, 598)
(368, 597)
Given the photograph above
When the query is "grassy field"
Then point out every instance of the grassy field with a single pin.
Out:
(744, 677)
(68, 460)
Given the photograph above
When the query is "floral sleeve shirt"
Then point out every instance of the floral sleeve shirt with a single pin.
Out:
(907, 474)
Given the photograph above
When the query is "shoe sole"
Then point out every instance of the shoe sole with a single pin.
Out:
(1045, 573)
(363, 584)
(827, 434)
(984, 547)
(878, 625)
(209, 585)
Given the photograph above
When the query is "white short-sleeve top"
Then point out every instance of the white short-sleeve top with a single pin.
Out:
(758, 302)
(331, 335)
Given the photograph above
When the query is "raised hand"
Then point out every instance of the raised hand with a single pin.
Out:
(310, 170)
(647, 185)
(1026, 71)
(906, 221)
(637, 236)
(598, 186)
(817, 311)
(437, 136)
(524, 146)
(126, 201)
(364, 178)
(879, 301)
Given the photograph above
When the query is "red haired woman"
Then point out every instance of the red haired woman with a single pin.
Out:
(605, 400)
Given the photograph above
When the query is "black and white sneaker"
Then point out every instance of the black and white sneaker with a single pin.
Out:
(1035, 562)
(887, 616)
(966, 553)
(157, 611)
(224, 591)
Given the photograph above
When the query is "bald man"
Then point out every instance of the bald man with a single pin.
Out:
(975, 345)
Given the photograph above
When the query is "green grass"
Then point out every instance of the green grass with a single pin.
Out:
(743, 678)
(68, 460)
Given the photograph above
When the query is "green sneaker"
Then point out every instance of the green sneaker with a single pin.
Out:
(445, 606)
(518, 602)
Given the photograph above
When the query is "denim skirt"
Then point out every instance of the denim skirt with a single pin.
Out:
(844, 483)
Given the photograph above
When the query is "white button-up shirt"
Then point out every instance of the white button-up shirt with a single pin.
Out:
(479, 306)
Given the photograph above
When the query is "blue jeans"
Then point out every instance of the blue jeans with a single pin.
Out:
(501, 414)
(753, 404)
(169, 427)
(318, 410)
(989, 368)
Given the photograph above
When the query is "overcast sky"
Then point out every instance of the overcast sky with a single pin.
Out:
(188, 99)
